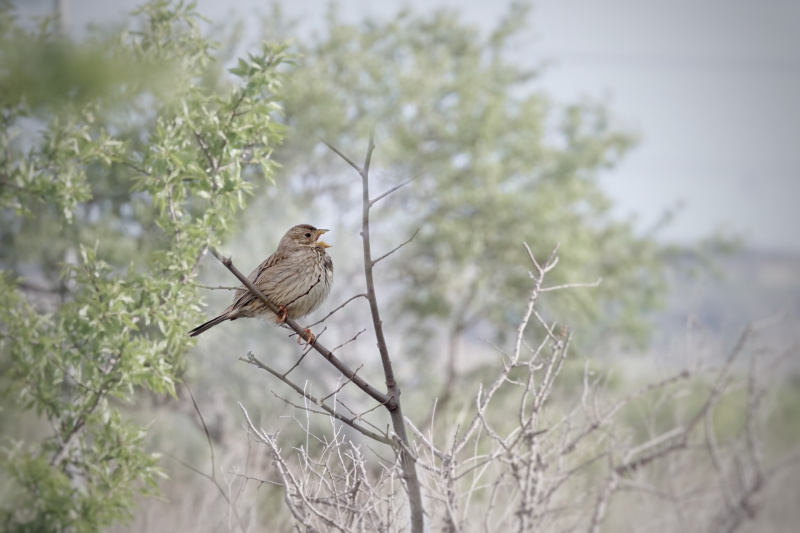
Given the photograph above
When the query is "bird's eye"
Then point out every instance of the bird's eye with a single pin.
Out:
(308, 235)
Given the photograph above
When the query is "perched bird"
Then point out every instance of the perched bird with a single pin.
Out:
(297, 278)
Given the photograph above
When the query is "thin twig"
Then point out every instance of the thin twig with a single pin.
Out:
(337, 309)
(213, 476)
(572, 286)
(384, 256)
(339, 389)
(253, 360)
(259, 480)
(348, 341)
(340, 154)
(297, 363)
(387, 193)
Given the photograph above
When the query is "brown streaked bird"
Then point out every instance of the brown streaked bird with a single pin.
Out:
(297, 278)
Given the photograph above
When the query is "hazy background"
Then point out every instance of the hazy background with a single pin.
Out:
(712, 88)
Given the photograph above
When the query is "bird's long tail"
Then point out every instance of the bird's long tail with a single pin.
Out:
(208, 325)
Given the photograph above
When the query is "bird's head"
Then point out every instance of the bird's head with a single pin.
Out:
(306, 235)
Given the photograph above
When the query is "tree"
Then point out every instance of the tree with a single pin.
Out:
(492, 161)
(116, 183)
(126, 177)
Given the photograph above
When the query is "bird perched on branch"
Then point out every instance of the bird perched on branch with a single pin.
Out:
(297, 278)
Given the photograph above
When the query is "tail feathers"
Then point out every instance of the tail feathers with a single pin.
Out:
(208, 325)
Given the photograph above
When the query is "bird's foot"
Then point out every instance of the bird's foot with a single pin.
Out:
(309, 339)
(283, 314)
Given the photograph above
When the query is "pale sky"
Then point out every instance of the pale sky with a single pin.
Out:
(712, 87)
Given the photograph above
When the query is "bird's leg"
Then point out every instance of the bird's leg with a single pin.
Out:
(310, 338)
(283, 314)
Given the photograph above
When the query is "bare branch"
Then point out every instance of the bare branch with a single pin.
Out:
(251, 359)
(337, 309)
(360, 416)
(250, 478)
(299, 360)
(368, 159)
(390, 191)
(339, 389)
(514, 357)
(425, 441)
(343, 368)
(601, 504)
(393, 391)
(720, 384)
(572, 286)
(384, 256)
(530, 460)
(212, 477)
(348, 341)
(340, 154)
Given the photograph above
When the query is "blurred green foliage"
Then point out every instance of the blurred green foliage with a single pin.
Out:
(114, 183)
(495, 162)
(129, 153)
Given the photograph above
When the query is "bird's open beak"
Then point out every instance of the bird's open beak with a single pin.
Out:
(322, 243)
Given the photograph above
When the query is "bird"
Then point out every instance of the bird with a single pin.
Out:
(297, 278)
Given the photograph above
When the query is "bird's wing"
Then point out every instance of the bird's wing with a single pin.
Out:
(243, 295)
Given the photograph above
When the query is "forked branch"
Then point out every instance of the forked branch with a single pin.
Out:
(320, 402)
(393, 250)
(406, 459)
(322, 350)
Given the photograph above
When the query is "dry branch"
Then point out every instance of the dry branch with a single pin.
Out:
(336, 362)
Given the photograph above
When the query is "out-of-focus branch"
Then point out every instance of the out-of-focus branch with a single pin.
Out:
(212, 477)
(572, 286)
